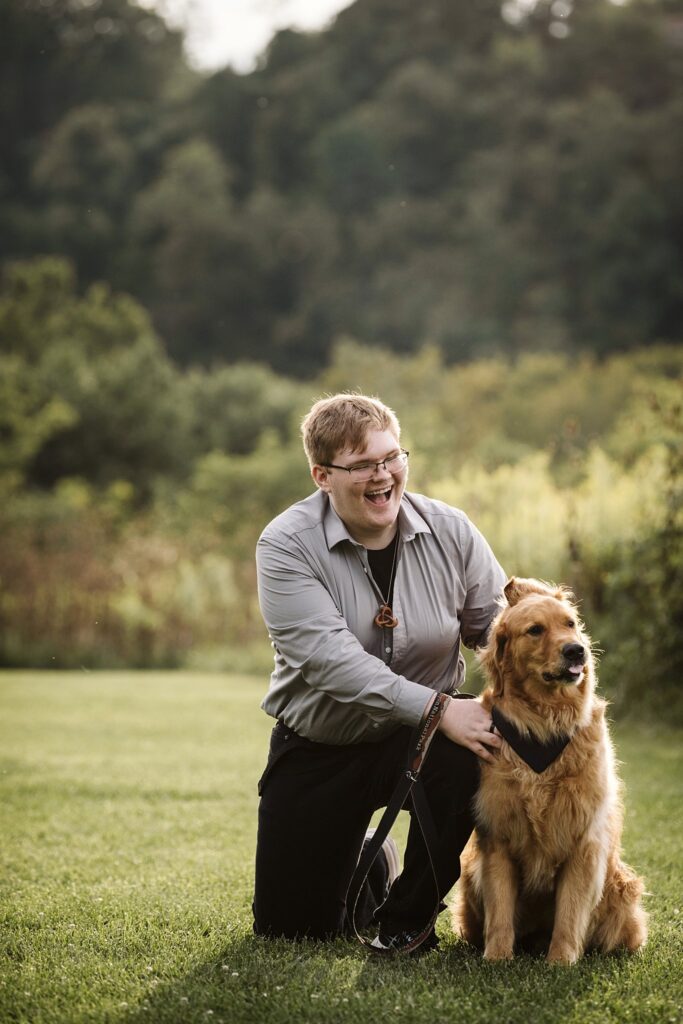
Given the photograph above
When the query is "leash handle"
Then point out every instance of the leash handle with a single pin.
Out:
(428, 732)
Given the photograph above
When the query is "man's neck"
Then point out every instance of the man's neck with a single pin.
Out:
(374, 540)
(377, 543)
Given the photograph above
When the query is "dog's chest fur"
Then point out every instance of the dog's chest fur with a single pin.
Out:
(540, 818)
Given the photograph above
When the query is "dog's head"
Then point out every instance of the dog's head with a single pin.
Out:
(537, 643)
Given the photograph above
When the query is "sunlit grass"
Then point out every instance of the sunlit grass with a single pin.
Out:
(128, 819)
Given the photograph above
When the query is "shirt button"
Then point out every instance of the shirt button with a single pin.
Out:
(387, 650)
(375, 725)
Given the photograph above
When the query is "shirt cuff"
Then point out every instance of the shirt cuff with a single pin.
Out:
(411, 702)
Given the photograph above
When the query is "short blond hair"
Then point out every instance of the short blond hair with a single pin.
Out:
(342, 422)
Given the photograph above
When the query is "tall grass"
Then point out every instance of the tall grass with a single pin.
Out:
(128, 822)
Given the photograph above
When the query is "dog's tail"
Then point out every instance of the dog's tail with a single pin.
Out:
(620, 920)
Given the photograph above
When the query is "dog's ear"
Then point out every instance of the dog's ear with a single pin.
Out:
(516, 588)
(492, 655)
(565, 594)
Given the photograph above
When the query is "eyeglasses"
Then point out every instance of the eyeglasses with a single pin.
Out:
(366, 470)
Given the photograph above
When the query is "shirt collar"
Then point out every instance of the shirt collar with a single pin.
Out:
(410, 523)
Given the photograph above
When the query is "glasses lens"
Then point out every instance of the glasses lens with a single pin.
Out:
(362, 472)
(397, 463)
(393, 465)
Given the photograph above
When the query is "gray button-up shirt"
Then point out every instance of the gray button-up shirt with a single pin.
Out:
(339, 678)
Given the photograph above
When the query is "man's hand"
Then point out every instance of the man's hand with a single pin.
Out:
(465, 722)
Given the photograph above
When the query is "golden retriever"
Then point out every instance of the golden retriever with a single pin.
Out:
(545, 855)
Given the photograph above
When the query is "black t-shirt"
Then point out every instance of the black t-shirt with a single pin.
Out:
(381, 564)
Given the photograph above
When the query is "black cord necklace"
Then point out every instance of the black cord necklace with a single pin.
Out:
(385, 617)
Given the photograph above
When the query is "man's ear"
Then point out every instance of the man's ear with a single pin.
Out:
(321, 477)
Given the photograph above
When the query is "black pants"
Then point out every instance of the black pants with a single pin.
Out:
(316, 803)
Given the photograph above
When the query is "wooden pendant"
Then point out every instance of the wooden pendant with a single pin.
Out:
(385, 618)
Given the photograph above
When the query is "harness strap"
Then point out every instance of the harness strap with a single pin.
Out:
(538, 754)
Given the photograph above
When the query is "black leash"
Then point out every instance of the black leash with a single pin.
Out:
(408, 784)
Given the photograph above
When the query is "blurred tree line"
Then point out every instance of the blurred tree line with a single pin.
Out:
(480, 178)
(132, 491)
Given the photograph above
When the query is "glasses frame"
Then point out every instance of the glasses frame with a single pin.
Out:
(375, 465)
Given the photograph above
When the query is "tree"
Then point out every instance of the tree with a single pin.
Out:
(417, 173)
(84, 174)
(192, 269)
(99, 378)
(233, 407)
(55, 53)
(29, 417)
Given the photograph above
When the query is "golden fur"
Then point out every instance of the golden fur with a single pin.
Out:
(545, 855)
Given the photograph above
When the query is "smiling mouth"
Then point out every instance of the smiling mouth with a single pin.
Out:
(569, 674)
(380, 496)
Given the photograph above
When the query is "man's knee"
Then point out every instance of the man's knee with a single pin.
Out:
(453, 768)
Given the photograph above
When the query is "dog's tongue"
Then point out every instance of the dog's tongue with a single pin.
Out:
(576, 669)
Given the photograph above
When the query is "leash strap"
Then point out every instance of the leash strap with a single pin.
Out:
(408, 784)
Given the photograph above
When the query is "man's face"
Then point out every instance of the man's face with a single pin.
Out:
(368, 508)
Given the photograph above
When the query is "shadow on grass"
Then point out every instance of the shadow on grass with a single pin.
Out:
(277, 982)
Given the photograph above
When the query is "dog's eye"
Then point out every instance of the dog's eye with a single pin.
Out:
(535, 630)
(571, 623)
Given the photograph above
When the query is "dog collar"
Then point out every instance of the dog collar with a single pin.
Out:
(537, 755)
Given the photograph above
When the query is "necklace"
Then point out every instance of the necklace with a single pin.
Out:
(385, 617)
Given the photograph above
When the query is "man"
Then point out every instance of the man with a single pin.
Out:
(367, 591)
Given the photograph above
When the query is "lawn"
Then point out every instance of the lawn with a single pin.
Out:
(127, 821)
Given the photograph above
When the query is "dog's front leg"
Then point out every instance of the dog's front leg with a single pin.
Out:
(499, 891)
(578, 892)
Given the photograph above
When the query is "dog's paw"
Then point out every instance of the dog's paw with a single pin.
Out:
(562, 955)
(498, 951)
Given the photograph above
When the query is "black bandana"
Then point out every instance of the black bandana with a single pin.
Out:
(537, 755)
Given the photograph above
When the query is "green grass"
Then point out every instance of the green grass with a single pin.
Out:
(127, 821)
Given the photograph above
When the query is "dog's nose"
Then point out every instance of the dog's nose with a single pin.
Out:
(574, 652)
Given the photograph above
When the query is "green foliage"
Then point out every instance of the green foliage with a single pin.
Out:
(232, 407)
(642, 597)
(486, 179)
(134, 492)
(238, 495)
(84, 175)
(84, 583)
(41, 311)
(354, 162)
(130, 424)
(539, 529)
(181, 232)
(35, 297)
(97, 357)
(496, 411)
(28, 419)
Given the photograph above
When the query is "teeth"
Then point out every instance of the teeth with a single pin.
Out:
(371, 494)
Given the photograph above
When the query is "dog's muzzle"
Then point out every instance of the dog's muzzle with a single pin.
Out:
(572, 667)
